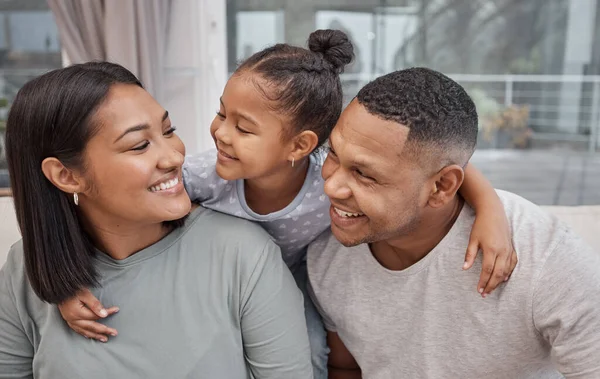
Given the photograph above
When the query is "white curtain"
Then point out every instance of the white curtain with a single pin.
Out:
(132, 33)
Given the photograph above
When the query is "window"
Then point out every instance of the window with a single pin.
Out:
(29, 46)
(532, 68)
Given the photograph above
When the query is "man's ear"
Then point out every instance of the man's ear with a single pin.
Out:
(62, 178)
(445, 185)
(303, 144)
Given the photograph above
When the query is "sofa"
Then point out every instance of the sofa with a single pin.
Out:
(584, 220)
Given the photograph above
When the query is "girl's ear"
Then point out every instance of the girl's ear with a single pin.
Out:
(303, 144)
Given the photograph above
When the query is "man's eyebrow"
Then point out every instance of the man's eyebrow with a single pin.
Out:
(366, 164)
(358, 161)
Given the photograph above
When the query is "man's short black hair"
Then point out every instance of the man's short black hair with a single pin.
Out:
(438, 111)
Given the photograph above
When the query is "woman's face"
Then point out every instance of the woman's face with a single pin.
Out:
(133, 163)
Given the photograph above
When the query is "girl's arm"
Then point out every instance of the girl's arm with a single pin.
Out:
(200, 177)
(491, 232)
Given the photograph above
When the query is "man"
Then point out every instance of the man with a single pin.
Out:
(389, 281)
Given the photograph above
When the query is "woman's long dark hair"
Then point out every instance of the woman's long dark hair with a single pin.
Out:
(53, 116)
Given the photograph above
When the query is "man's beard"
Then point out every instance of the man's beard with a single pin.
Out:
(380, 233)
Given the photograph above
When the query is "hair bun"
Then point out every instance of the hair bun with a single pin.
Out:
(334, 45)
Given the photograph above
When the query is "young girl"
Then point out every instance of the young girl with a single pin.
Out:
(276, 111)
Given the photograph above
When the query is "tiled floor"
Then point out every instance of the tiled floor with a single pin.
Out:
(545, 177)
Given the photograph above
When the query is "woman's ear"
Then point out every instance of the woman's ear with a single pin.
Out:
(445, 185)
(62, 178)
(303, 144)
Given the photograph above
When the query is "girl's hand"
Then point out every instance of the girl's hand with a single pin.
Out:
(491, 234)
(81, 313)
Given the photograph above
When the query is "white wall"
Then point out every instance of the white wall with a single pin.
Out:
(196, 68)
(578, 53)
(9, 232)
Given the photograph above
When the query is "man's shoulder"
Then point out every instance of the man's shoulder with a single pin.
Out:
(324, 254)
(517, 205)
(526, 217)
(538, 233)
(324, 246)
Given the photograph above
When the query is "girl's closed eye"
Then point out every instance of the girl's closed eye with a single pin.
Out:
(220, 115)
(243, 131)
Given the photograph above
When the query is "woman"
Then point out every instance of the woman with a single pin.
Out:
(95, 170)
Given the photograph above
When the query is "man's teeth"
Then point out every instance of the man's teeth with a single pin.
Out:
(346, 214)
(165, 185)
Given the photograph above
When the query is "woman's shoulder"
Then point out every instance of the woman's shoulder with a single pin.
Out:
(14, 261)
(226, 233)
(15, 290)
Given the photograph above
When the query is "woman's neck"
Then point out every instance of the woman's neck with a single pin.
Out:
(273, 193)
(121, 240)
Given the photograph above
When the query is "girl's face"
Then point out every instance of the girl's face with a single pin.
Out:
(133, 163)
(248, 134)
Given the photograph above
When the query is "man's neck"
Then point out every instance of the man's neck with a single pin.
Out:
(401, 252)
(275, 192)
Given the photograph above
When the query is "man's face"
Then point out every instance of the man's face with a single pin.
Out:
(377, 192)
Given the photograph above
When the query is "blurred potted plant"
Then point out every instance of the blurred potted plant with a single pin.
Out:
(500, 126)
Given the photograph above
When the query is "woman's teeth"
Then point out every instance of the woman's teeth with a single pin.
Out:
(346, 214)
(165, 185)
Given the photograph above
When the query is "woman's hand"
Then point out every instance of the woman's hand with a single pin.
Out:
(81, 313)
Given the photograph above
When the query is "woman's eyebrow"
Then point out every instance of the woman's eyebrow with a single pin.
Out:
(140, 127)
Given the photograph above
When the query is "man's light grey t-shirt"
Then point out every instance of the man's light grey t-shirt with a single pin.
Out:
(428, 321)
(212, 299)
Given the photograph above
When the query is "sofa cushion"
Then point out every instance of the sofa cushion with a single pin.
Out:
(584, 220)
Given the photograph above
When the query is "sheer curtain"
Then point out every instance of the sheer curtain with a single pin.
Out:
(132, 33)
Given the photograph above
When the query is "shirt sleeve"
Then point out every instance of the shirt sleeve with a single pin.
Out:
(273, 322)
(16, 350)
(329, 325)
(200, 176)
(317, 262)
(566, 308)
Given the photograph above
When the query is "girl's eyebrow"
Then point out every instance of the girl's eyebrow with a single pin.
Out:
(248, 118)
(242, 115)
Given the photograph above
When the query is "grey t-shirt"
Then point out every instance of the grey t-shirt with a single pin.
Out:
(428, 321)
(292, 228)
(212, 299)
